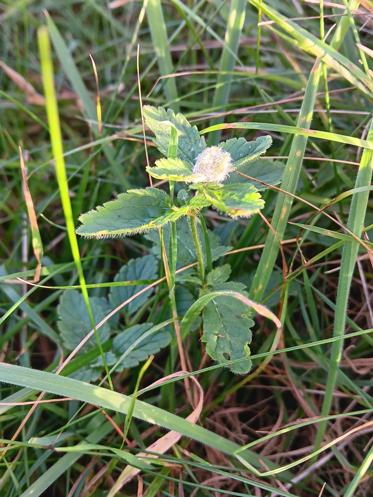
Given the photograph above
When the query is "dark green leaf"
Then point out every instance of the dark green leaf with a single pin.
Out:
(137, 343)
(185, 246)
(143, 268)
(266, 171)
(227, 329)
(74, 322)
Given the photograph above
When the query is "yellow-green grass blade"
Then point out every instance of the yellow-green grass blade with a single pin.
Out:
(355, 223)
(359, 475)
(313, 45)
(109, 399)
(236, 19)
(294, 130)
(60, 168)
(90, 112)
(158, 33)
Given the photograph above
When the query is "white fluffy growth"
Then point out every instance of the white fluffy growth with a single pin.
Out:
(213, 165)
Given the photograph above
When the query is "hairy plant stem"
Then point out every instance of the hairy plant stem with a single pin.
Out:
(207, 244)
(198, 247)
(170, 279)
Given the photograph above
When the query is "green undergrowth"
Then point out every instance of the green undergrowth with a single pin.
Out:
(185, 278)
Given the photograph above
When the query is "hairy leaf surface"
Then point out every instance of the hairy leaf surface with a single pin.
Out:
(133, 212)
(160, 121)
(171, 170)
(243, 151)
(235, 199)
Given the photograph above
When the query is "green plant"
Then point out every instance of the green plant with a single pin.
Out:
(199, 177)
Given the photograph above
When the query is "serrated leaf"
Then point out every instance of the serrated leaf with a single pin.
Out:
(160, 121)
(243, 151)
(74, 322)
(218, 275)
(227, 331)
(143, 268)
(133, 212)
(137, 343)
(171, 170)
(235, 199)
(270, 172)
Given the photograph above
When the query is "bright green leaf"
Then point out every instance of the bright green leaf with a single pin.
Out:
(235, 199)
(133, 212)
(243, 151)
(171, 170)
(160, 121)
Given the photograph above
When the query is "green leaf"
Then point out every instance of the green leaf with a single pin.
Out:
(186, 253)
(219, 275)
(227, 332)
(171, 170)
(138, 342)
(235, 199)
(243, 151)
(266, 171)
(143, 268)
(160, 121)
(74, 322)
(133, 212)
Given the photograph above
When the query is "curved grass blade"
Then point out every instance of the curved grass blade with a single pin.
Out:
(109, 399)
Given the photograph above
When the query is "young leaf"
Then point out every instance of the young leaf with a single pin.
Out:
(133, 212)
(160, 121)
(236, 199)
(74, 322)
(171, 170)
(243, 151)
(143, 268)
(267, 171)
(227, 329)
(137, 343)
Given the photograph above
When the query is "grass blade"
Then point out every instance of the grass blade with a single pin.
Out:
(108, 399)
(298, 130)
(57, 149)
(158, 33)
(233, 32)
(80, 89)
(289, 184)
(313, 45)
(292, 172)
(350, 250)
